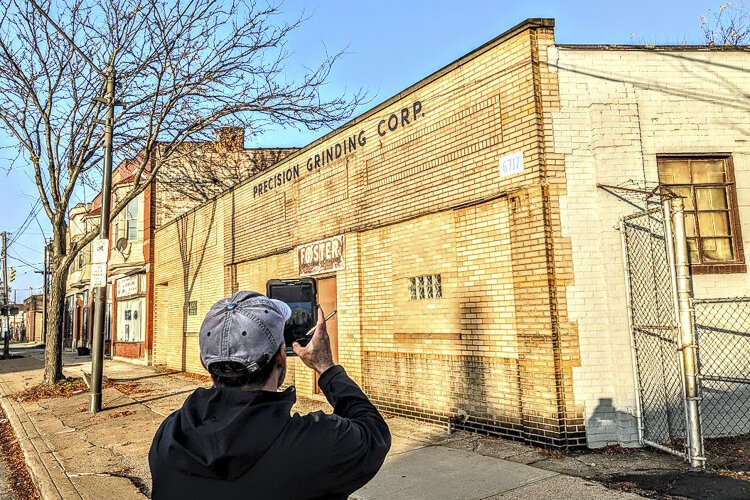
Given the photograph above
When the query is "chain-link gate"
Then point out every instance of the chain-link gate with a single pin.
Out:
(722, 330)
(691, 356)
(652, 304)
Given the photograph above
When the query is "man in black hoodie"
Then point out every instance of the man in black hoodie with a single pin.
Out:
(238, 438)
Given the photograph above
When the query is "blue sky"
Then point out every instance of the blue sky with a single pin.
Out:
(391, 44)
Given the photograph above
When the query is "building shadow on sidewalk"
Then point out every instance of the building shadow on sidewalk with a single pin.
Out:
(150, 400)
(143, 377)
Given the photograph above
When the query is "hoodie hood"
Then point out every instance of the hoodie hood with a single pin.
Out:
(201, 438)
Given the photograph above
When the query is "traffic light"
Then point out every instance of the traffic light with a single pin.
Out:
(12, 274)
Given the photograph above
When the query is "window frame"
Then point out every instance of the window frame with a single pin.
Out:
(128, 219)
(737, 265)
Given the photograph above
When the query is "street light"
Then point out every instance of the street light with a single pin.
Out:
(97, 348)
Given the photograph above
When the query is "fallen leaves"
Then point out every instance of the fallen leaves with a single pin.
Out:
(12, 456)
(123, 413)
(63, 389)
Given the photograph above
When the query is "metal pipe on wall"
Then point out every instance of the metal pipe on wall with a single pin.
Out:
(687, 337)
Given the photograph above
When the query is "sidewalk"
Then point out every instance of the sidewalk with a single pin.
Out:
(73, 454)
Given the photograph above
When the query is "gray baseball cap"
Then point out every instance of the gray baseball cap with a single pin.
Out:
(246, 328)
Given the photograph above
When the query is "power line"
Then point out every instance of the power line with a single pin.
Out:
(18, 232)
(28, 247)
(16, 257)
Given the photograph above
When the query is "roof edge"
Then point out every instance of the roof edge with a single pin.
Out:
(655, 48)
(527, 24)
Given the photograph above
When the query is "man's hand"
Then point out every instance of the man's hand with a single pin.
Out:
(317, 353)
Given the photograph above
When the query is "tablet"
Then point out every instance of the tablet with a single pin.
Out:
(301, 297)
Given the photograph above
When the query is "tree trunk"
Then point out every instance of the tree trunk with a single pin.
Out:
(55, 324)
(56, 306)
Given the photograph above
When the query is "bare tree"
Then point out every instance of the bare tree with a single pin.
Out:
(199, 171)
(729, 25)
(183, 67)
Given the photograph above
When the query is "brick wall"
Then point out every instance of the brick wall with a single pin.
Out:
(618, 110)
(414, 185)
(188, 267)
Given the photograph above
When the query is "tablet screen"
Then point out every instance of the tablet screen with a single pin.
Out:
(301, 300)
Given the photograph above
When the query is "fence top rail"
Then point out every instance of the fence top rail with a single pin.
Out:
(722, 300)
(650, 211)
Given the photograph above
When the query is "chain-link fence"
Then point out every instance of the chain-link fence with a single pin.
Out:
(722, 328)
(654, 330)
(664, 333)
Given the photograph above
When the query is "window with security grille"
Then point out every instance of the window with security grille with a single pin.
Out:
(428, 286)
(711, 215)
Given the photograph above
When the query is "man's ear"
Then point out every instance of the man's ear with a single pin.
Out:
(281, 355)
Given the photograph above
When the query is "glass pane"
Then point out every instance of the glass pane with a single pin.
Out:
(687, 196)
(711, 198)
(132, 209)
(717, 250)
(674, 172)
(693, 250)
(707, 171)
(690, 224)
(132, 230)
(714, 224)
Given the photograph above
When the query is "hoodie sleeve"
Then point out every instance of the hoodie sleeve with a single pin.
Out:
(362, 438)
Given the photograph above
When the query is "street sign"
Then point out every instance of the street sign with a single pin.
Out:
(99, 250)
(99, 274)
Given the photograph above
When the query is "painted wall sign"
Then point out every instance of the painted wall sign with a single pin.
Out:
(127, 286)
(322, 256)
(399, 119)
(511, 164)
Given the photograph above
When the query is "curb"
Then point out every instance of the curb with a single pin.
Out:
(51, 482)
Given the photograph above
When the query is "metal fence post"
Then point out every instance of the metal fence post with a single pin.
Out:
(687, 337)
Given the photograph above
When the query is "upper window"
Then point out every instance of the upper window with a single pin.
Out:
(131, 219)
(711, 215)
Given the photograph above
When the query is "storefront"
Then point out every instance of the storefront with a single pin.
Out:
(130, 317)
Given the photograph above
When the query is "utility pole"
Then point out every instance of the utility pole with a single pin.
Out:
(6, 334)
(100, 304)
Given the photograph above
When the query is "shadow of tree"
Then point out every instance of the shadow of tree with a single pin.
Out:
(192, 258)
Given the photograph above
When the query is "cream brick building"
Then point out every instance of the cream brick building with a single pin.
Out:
(470, 255)
(623, 110)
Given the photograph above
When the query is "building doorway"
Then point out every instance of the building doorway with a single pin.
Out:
(327, 300)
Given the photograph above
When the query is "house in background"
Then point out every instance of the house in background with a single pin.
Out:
(77, 319)
(193, 174)
(33, 318)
